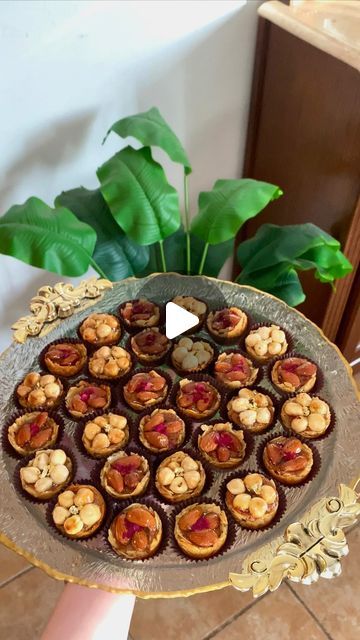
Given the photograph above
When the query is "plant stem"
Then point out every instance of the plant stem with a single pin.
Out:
(162, 255)
(203, 258)
(187, 225)
(98, 269)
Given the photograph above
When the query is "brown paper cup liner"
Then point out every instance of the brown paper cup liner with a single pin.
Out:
(319, 375)
(61, 341)
(4, 436)
(314, 469)
(324, 435)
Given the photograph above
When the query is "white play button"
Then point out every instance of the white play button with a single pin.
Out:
(178, 320)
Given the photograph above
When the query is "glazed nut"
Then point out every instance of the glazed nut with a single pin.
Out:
(180, 353)
(274, 348)
(41, 461)
(166, 476)
(103, 352)
(203, 356)
(242, 501)
(47, 379)
(293, 409)
(116, 436)
(236, 486)
(83, 496)
(316, 422)
(73, 525)
(89, 334)
(188, 464)
(36, 397)
(268, 494)
(278, 336)
(245, 393)
(253, 482)
(59, 515)
(90, 514)
(59, 473)
(261, 400)
(190, 362)
(58, 457)
(252, 339)
(264, 332)
(101, 441)
(52, 390)
(261, 348)
(66, 499)
(299, 424)
(103, 330)
(304, 399)
(43, 484)
(248, 417)
(318, 406)
(32, 378)
(117, 421)
(30, 474)
(187, 343)
(257, 507)
(240, 404)
(91, 430)
(263, 416)
(178, 485)
(192, 478)
(111, 368)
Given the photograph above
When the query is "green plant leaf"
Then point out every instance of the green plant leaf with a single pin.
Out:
(117, 255)
(223, 211)
(141, 200)
(52, 239)
(270, 260)
(151, 130)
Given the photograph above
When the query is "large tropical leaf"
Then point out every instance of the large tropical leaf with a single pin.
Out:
(270, 260)
(141, 200)
(223, 211)
(151, 130)
(117, 255)
(52, 239)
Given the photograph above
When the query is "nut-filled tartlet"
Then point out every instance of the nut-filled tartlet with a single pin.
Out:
(197, 399)
(46, 474)
(235, 371)
(294, 374)
(201, 530)
(145, 389)
(141, 313)
(125, 475)
(190, 356)
(221, 445)
(288, 460)
(110, 363)
(136, 532)
(193, 305)
(253, 500)
(84, 397)
(264, 343)
(65, 358)
(79, 511)
(105, 434)
(306, 415)
(32, 431)
(162, 430)
(150, 345)
(251, 410)
(180, 477)
(39, 391)
(100, 329)
(226, 324)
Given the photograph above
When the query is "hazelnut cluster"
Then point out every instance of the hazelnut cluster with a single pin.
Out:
(266, 342)
(180, 474)
(47, 470)
(110, 362)
(193, 305)
(105, 432)
(192, 355)
(39, 390)
(77, 511)
(309, 416)
(100, 328)
(251, 409)
(254, 494)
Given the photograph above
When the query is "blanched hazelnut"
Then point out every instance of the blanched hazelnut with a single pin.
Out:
(83, 496)
(73, 525)
(278, 336)
(252, 339)
(116, 436)
(293, 409)
(112, 322)
(58, 456)
(111, 368)
(318, 406)
(203, 356)
(264, 332)
(91, 430)
(299, 424)
(261, 400)
(253, 482)
(47, 379)
(192, 478)
(178, 485)
(101, 441)
(23, 390)
(89, 334)
(59, 515)
(263, 416)
(166, 476)
(248, 417)
(59, 473)
(123, 363)
(41, 460)
(90, 514)
(268, 494)
(98, 365)
(52, 390)
(257, 507)
(316, 422)
(240, 404)
(236, 486)
(117, 421)
(103, 330)
(101, 421)
(103, 352)
(274, 348)
(304, 399)
(242, 501)
(261, 348)
(66, 499)
(190, 362)
(31, 379)
(37, 397)
(245, 393)
(43, 484)
(188, 464)
(180, 353)
(187, 343)
(30, 474)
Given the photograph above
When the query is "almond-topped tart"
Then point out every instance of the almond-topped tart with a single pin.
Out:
(65, 358)
(100, 329)
(227, 324)
(201, 530)
(307, 415)
(86, 396)
(125, 475)
(198, 400)
(221, 445)
(145, 389)
(79, 511)
(136, 532)
(105, 434)
(190, 356)
(288, 460)
(252, 410)
(235, 371)
(33, 431)
(46, 474)
(265, 343)
(150, 345)
(180, 477)
(39, 391)
(294, 374)
(252, 500)
(141, 313)
(193, 305)
(162, 430)
(110, 363)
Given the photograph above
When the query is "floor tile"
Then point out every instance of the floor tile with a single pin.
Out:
(25, 605)
(190, 618)
(10, 563)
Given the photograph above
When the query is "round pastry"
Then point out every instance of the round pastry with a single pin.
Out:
(234, 370)
(227, 324)
(109, 363)
(136, 532)
(105, 434)
(306, 415)
(79, 511)
(162, 430)
(252, 500)
(125, 475)
(141, 313)
(65, 358)
(294, 374)
(46, 474)
(180, 477)
(84, 397)
(264, 343)
(39, 391)
(193, 305)
(198, 400)
(150, 345)
(252, 410)
(221, 445)
(201, 530)
(33, 431)
(144, 390)
(190, 356)
(288, 460)
(100, 329)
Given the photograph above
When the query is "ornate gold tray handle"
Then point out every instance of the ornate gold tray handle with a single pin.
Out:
(311, 549)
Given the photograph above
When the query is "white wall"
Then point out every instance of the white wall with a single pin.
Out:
(71, 68)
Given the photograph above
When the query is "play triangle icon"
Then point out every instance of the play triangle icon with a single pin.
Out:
(178, 320)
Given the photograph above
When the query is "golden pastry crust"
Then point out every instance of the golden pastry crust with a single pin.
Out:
(162, 430)
(150, 345)
(235, 371)
(46, 474)
(288, 460)
(79, 511)
(105, 434)
(86, 397)
(198, 400)
(195, 530)
(253, 500)
(110, 363)
(227, 324)
(221, 445)
(251, 410)
(190, 356)
(65, 358)
(180, 477)
(100, 329)
(144, 390)
(139, 314)
(306, 415)
(136, 532)
(125, 475)
(264, 343)
(193, 305)
(32, 431)
(294, 375)
(39, 391)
